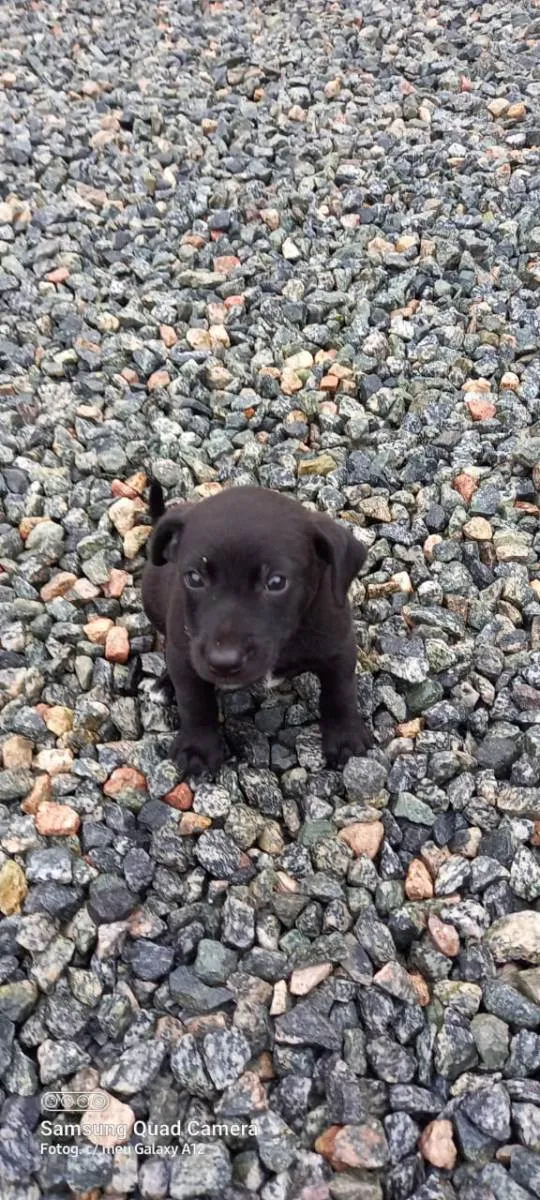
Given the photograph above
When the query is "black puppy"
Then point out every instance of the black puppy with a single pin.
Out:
(246, 586)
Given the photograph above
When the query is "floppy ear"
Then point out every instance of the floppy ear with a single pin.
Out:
(156, 501)
(337, 546)
(167, 534)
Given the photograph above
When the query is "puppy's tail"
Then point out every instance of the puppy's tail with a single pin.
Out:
(156, 501)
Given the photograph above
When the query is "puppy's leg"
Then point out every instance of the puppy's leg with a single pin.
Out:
(344, 734)
(198, 746)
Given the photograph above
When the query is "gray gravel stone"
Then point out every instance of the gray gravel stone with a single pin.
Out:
(109, 899)
(489, 1110)
(507, 1003)
(226, 1054)
(191, 993)
(136, 1067)
(214, 962)
(207, 1171)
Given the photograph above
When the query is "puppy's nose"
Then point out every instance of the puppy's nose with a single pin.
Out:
(224, 659)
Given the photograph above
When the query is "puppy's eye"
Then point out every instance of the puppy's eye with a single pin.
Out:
(276, 583)
(193, 579)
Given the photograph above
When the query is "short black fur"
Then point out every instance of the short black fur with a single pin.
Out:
(245, 585)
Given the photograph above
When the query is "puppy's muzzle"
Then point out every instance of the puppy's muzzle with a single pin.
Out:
(225, 659)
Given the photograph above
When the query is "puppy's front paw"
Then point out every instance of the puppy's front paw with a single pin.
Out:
(342, 740)
(197, 750)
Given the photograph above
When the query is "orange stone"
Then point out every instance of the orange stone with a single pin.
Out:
(124, 779)
(28, 524)
(124, 513)
(326, 1141)
(433, 857)
(481, 410)
(410, 729)
(138, 481)
(59, 275)
(234, 301)
(524, 506)
(476, 385)
(364, 837)
(332, 88)
(193, 239)
(421, 988)
(226, 264)
(57, 586)
(271, 217)
(329, 383)
(158, 379)
(191, 822)
(437, 1145)
(180, 797)
(130, 376)
(263, 1066)
(56, 820)
(290, 382)
(168, 336)
(122, 490)
(54, 762)
(97, 629)
(418, 883)
(362, 1145)
(118, 580)
(17, 752)
(340, 371)
(510, 381)
(41, 791)
(465, 485)
(445, 937)
(59, 719)
(117, 645)
(219, 337)
(217, 313)
(204, 490)
(119, 1124)
(199, 339)
(13, 887)
(433, 540)
(206, 1023)
(304, 979)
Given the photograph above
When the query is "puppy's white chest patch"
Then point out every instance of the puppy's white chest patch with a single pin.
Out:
(272, 681)
(157, 693)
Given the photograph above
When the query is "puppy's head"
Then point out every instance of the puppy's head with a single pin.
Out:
(250, 563)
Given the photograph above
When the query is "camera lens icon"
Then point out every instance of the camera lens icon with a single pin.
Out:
(74, 1101)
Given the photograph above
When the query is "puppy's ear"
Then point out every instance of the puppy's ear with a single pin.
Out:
(167, 533)
(156, 501)
(337, 546)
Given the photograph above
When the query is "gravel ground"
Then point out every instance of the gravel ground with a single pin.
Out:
(296, 245)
